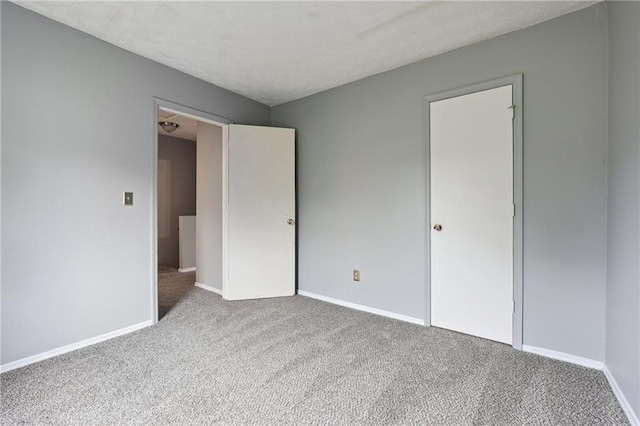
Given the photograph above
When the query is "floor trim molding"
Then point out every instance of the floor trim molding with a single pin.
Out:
(626, 407)
(72, 347)
(561, 356)
(362, 308)
(186, 269)
(590, 363)
(208, 288)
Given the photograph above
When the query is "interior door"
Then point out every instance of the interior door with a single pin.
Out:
(471, 156)
(260, 255)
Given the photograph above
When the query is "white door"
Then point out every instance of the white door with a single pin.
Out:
(471, 142)
(260, 240)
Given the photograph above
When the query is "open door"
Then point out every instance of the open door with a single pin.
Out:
(260, 213)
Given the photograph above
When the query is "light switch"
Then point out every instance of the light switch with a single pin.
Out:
(128, 198)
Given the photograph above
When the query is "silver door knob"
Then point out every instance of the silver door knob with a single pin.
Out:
(291, 222)
(437, 227)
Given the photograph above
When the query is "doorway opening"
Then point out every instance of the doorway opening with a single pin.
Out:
(176, 208)
(189, 204)
(244, 248)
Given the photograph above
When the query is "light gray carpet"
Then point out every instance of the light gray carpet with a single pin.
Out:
(298, 361)
(172, 286)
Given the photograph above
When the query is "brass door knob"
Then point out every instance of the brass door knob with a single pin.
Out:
(291, 222)
(437, 227)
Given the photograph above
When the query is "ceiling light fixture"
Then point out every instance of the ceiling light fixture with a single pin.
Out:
(168, 126)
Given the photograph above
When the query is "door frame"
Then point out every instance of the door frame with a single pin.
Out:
(205, 117)
(515, 81)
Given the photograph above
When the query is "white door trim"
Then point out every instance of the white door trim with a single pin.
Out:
(225, 210)
(516, 82)
(204, 117)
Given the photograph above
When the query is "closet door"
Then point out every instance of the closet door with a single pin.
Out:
(471, 156)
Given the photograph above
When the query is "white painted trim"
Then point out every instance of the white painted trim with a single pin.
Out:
(225, 211)
(208, 288)
(194, 114)
(153, 223)
(187, 269)
(590, 363)
(362, 308)
(626, 407)
(561, 356)
(72, 347)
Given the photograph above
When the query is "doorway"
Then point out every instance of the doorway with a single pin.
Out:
(189, 187)
(245, 208)
(474, 158)
(176, 189)
(176, 208)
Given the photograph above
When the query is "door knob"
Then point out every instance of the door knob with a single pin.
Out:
(437, 227)
(291, 222)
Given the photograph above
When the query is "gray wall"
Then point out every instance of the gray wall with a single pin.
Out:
(187, 225)
(209, 206)
(623, 219)
(182, 154)
(78, 128)
(361, 189)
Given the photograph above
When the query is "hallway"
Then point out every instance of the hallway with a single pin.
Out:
(172, 286)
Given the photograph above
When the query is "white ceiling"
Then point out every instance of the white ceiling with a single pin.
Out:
(187, 127)
(275, 52)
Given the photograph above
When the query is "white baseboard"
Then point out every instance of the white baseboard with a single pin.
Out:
(186, 269)
(72, 347)
(590, 363)
(573, 359)
(362, 308)
(208, 288)
(626, 407)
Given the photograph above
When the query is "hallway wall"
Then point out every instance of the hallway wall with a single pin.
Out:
(182, 192)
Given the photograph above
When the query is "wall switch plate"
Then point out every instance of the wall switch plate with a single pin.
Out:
(128, 198)
(356, 275)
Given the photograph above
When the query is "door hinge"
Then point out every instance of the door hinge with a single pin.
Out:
(514, 209)
(514, 306)
(513, 111)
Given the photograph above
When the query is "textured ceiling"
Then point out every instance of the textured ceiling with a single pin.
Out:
(275, 52)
